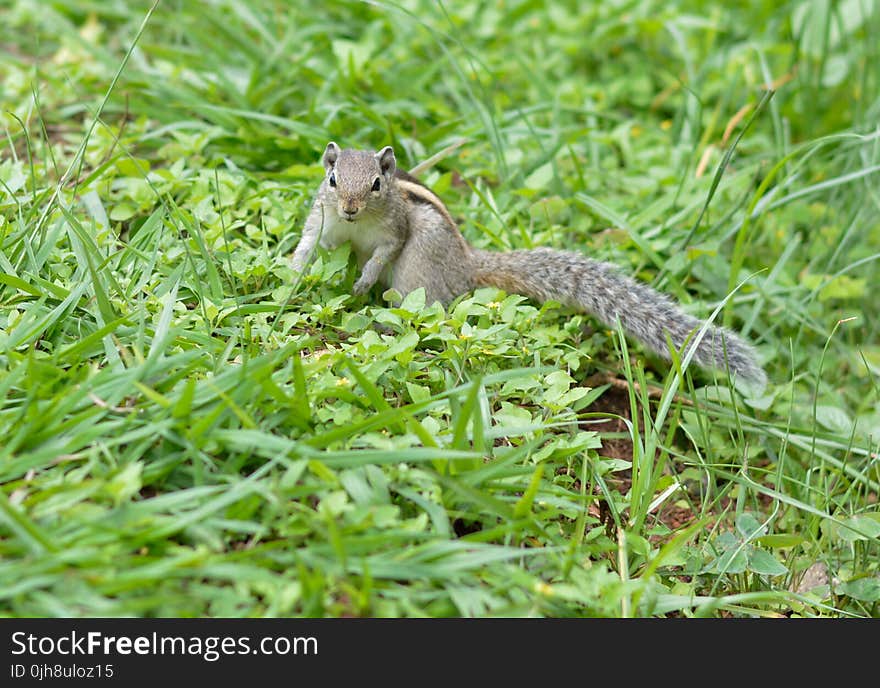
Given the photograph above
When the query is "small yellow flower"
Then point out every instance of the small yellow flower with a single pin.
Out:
(666, 124)
(543, 589)
(343, 382)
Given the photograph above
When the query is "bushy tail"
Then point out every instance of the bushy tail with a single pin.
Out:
(600, 289)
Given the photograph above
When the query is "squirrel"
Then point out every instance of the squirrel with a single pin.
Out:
(403, 234)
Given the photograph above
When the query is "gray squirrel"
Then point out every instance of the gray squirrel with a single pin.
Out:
(403, 235)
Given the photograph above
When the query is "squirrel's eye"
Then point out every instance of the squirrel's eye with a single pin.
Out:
(376, 184)
(332, 179)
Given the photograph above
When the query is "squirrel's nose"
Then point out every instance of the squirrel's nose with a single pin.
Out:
(349, 210)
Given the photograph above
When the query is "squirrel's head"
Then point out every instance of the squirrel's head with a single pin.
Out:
(358, 180)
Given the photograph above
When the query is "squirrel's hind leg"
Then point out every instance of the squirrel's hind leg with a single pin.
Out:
(418, 266)
(405, 281)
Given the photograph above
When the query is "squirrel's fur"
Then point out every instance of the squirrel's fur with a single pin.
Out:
(403, 235)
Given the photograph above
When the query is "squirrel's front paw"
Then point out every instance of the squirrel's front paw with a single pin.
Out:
(361, 287)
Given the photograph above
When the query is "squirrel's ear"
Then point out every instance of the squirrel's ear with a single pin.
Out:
(331, 153)
(387, 163)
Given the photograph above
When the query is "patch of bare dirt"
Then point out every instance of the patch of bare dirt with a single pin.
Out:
(617, 444)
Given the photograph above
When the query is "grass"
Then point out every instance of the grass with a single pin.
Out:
(190, 431)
